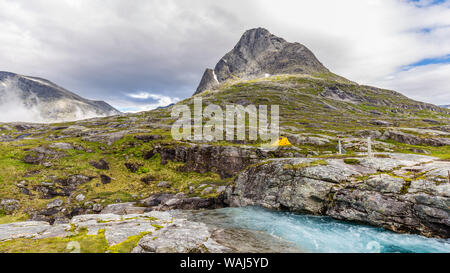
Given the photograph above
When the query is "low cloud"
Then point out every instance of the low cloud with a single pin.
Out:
(17, 105)
(144, 101)
(420, 81)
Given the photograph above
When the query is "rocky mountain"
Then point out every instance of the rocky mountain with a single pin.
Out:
(445, 106)
(260, 53)
(26, 98)
(271, 67)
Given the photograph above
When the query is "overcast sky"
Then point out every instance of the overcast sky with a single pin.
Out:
(137, 55)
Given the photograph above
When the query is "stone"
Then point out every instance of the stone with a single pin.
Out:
(415, 140)
(105, 179)
(166, 201)
(207, 190)
(106, 138)
(221, 189)
(61, 145)
(164, 184)
(148, 138)
(123, 208)
(55, 204)
(101, 164)
(381, 123)
(180, 238)
(9, 205)
(27, 229)
(80, 197)
(97, 207)
(22, 184)
(385, 183)
(41, 155)
(133, 167)
(147, 179)
(304, 140)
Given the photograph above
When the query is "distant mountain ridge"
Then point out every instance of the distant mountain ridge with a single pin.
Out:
(260, 53)
(445, 106)
(41, 100)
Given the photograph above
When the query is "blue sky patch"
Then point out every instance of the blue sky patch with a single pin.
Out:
(431, 3)
(441, 60)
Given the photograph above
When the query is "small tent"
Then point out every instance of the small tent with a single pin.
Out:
(282, 141)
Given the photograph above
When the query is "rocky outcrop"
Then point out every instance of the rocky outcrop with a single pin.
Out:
(41, 155)
(412, 196)
(225, 160)
(9, 205)
(101, 164)
(208, 81)
(411, 139)
(259, 53)
(305, 139)
(180, 237)
(167, 201)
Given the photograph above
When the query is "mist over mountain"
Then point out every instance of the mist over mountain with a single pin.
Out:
(32, 99)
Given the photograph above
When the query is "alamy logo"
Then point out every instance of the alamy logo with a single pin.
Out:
(214, 124)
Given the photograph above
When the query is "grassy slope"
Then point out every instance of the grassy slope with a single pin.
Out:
(302, 111)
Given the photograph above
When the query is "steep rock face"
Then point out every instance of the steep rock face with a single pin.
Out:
(258, 53)
(208, 81)
(225, 160)
(414, 140)
(40, 100)
(398, 201)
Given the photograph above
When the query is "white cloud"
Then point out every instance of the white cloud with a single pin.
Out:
(424, 83)
(100, 49)
(155, 102)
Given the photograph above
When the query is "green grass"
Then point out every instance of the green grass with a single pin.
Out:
(6, 219)
(88, 244)
(351, 161)
(298, 166)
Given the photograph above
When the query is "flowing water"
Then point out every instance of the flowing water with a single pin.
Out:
(320, 234)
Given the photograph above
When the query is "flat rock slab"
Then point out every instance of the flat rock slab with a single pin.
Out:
(32, 230)
(179, 237)
(165, 232)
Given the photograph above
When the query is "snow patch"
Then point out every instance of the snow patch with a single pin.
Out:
(215, 76)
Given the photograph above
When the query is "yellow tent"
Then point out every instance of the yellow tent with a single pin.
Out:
(282, 141)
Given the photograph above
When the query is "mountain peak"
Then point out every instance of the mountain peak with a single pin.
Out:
(259, 53)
